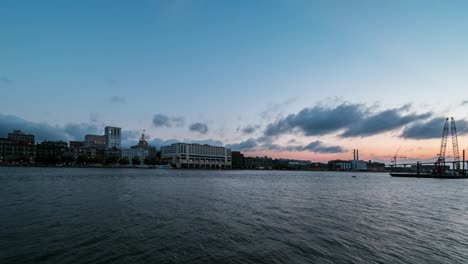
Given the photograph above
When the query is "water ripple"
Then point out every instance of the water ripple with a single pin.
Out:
(61, 215)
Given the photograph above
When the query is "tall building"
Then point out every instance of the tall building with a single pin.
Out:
(112, 136)
(185, 155)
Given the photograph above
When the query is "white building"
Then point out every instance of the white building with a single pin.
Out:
(184, 155)
(359, 165)
(113, 137)
(130, 153)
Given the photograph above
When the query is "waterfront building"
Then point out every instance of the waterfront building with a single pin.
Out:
(238, 161)
(75, 144)
(186, 155)
(95, 141)
(18, 136)
(143, 150)
(258, 162)
(359, 165)
(112, 137)
(143, 145)
(375, 166)
(50, 152)
(342, 165)
(130, 153)
(18, 147)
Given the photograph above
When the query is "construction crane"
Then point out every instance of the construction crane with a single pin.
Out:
(443, 144)
(456, 153)
(396, 157)
(440, 168)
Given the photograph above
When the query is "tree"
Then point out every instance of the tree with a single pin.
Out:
(136, 161)
(68, 158)
(111, 160)
(124, 161)
(82, 159)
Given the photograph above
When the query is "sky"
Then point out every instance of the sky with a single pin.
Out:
(294, 79)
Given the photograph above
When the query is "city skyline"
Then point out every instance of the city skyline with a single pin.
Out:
(284, 79)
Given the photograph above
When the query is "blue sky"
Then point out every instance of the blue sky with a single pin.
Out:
(232, 65)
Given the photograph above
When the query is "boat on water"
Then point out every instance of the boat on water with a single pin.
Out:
(446, 175)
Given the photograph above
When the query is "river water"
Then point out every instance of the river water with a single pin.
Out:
(67, 215)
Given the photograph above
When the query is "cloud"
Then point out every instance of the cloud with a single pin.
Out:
(199, 127)
(318, 120)
(117, 99)
(250, 129)
(5, 80)
(432, 129)
(256, 144)
(77, 131)
(274, 110)
(158, 142)
(161, 120)
(382, 122)
(130, 137)
(44, 131)
(246, 145)
(320, 147)
(353, 120)
(464, 102)
(212, 142)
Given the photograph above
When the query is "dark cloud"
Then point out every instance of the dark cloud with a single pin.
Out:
(353, 119)
(250, 129)
(199, 127)
(44, 131)
(318, 120)
(255, 144)
(382, 122)
(246, 145)
(320, 147)
(431, 129)
(161, 120)
(117, 99)
(5, 80)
